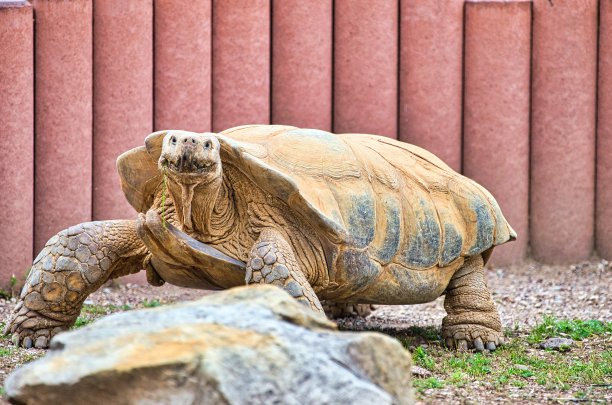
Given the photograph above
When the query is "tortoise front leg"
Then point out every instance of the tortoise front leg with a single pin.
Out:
(272, 261)
(73, 264)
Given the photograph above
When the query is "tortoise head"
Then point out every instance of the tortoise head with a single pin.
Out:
(191, 160)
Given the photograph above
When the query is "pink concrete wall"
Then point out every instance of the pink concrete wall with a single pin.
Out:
(563, 129)
(123, 95)
(16, 140)
(391, 67)
(241, 63)
(63, 116)
(365, 66)
(302, 63)
(603, 218)
(183, 65)
(431, 55)
(496, 111)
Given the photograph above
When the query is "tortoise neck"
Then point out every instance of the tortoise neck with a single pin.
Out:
(213, 210)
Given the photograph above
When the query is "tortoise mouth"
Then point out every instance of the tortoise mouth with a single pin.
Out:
(186, 166)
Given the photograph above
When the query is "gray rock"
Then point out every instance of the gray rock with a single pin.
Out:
(248, 345)
(556, 343)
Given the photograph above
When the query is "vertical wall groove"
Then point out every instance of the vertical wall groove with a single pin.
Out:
(17, 124)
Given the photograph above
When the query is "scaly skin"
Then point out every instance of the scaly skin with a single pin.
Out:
(272, 262)
(472, 321)
(73, 264)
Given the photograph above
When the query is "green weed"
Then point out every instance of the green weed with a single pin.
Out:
(151, 303)
(573, 328)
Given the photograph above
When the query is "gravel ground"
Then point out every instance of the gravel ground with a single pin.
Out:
(523, 294)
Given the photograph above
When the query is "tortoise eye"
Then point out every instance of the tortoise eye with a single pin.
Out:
(207, 144)
(173, 139)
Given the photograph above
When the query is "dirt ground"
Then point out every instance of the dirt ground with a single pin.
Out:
(524, 295)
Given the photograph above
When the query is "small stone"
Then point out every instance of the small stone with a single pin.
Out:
(556, 343)
(420, 372)
(521, 367)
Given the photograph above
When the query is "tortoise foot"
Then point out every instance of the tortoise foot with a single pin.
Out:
(336, 310)
(28, 328)
(469, 336)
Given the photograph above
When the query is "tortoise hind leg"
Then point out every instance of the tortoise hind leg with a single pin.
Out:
(472, 320)
(272, 262)
(73, 264)
(335, 310)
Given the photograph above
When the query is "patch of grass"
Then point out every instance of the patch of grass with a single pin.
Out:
(422, 359)
(519, 364)
(95, 309)
(151, 303)
(82, 321)
(427, 383)
(472, 364)
(572, 328)
(104, 309)
(5, 351)
(7, 295)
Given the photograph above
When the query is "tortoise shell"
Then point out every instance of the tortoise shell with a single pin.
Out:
(398, 201)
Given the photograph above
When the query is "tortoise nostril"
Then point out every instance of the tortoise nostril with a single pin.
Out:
(173, 140)
(193, 141)
(207, 144)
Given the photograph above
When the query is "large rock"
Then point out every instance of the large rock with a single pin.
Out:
(254, 345)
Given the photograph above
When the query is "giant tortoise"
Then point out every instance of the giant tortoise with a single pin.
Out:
(350, 219)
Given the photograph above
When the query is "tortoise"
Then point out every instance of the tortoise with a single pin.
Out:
(349, 220)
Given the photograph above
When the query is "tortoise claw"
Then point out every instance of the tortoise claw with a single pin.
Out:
(478, 345)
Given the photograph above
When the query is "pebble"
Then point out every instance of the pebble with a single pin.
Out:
(420, 372)
(559, 344)
(521, 367)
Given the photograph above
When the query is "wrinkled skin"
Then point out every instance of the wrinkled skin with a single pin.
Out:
(218, 231)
